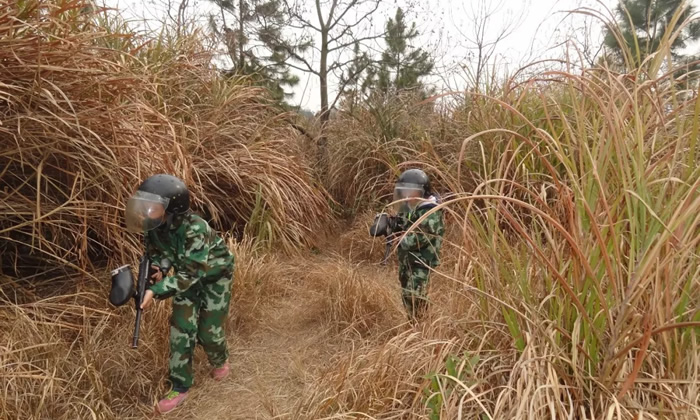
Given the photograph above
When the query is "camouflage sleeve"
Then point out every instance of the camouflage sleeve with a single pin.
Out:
(153, 252)
(191, 266)
(421, 235)
(400, 223)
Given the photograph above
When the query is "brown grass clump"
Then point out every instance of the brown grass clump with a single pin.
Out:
(437, 369)
(89, 110)
(258, 279)
(354, 243)
(353, 298)
(69, 357)
(375, 141)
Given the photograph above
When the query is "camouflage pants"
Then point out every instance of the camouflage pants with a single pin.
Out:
(199, 315)
(413, 276)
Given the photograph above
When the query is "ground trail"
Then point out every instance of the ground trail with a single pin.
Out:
(285, 352)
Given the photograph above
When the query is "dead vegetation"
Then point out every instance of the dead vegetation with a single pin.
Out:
(569, 284)
(84, 121)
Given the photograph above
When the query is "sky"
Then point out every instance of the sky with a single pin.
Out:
(536, 30)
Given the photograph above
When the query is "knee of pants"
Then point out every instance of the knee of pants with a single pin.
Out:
(183, 330)
(211, 338)
(419, 277)
(182, 340)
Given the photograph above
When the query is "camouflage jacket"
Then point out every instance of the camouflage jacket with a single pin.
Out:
(195, 251)
(425, 240)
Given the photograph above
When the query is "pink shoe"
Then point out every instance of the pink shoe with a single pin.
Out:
(172, 400)
(222, 372)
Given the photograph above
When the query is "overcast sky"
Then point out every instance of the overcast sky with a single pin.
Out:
(538, 29)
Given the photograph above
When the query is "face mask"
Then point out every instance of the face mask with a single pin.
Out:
(407, 197)
(145, 212)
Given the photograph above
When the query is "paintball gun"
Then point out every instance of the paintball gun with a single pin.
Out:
(123, 287)
(384, 225)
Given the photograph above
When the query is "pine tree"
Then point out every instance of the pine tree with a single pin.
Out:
(649, 21)
(253, 41)
(402, 65)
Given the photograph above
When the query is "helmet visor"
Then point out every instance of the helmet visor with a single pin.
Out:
(145, 211)
(407, 196)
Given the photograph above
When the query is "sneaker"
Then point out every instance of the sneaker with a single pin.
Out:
(220, 373)
(172, 400)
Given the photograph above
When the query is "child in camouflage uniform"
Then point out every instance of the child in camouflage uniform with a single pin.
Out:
(419, 249)
(200, 283)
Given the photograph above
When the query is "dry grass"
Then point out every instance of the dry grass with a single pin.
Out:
(84, 122)
(64, 357)
(574, 260)
(569, 284)
(68, 356)
(352, 298)
(258, 279)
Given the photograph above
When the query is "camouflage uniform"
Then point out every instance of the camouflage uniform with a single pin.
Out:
(201, 286)
(418, 252)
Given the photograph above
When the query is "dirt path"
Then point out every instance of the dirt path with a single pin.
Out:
(268, 370)
(282, 355)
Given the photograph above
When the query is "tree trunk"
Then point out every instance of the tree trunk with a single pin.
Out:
(322, 151)
(241, 57)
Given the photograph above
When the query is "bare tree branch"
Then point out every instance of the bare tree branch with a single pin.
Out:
(320, 15)
(327, 24)
(349, 27)
(294, 14)
(294, 55)
(345, 83)
(302, 26)
(354, 41)
(480, 17)
(350, 5)
(339, 64)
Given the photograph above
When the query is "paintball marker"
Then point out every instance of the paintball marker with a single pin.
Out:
(384, 225)
(123, 287)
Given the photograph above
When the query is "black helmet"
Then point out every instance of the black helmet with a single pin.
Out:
(416, 178)
(170, 187)
(156, 198)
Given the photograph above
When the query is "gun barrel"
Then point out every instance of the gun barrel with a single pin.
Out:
(137, 325)
(144, 267)
(387, 251)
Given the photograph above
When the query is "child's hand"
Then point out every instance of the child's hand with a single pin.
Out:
(147, 299)
(158, 275)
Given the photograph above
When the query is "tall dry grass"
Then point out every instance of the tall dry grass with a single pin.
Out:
(69, 356)
(89, 109)
(573, 286)
(570, 278)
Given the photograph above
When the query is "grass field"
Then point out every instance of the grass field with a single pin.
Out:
(569, 283)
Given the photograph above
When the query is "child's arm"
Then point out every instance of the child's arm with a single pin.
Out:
(192, 265)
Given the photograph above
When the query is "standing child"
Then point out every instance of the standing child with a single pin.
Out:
(419, 249)
(200, 284)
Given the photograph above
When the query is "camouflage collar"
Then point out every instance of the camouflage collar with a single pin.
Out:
(175, 221)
